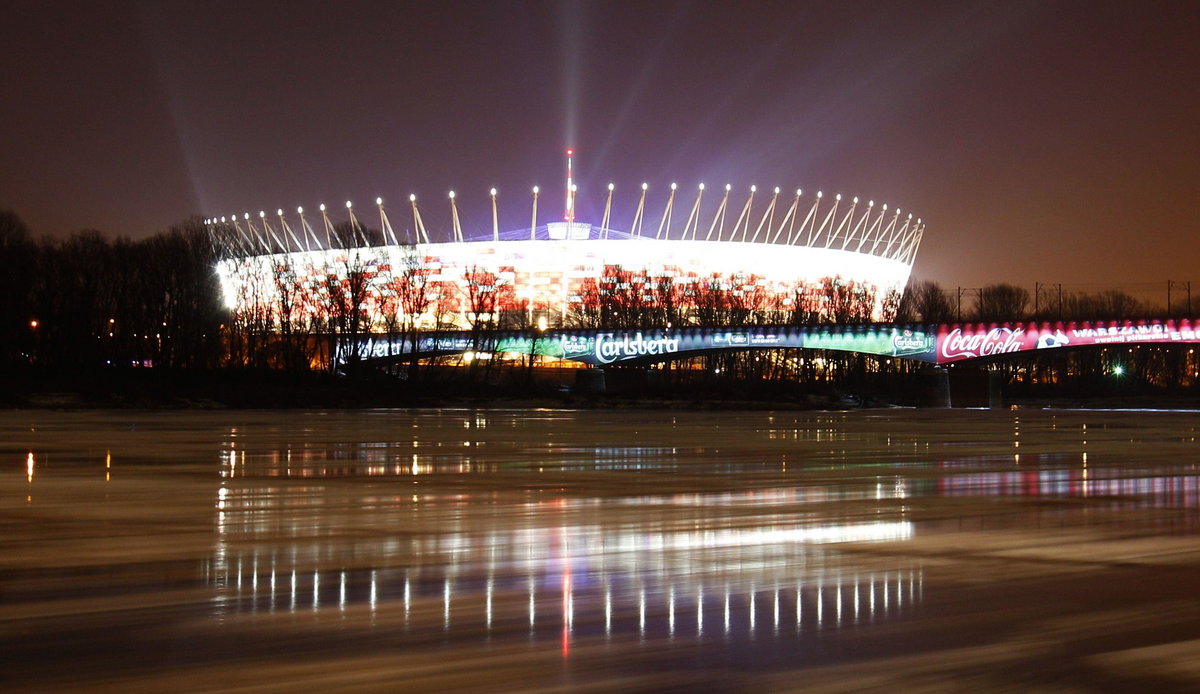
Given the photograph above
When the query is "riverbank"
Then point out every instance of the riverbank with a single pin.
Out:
(226, 389)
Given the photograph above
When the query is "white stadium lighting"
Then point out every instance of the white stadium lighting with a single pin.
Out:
(279, 212)
(838, 197)
(262, 214)
(556, 265)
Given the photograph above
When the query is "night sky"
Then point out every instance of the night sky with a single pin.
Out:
(1047, 141)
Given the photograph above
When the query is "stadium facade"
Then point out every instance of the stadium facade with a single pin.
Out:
(815, 257)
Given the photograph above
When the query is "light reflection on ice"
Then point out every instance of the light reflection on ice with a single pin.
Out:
(648, 580)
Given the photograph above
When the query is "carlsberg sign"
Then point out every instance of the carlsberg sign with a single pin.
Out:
(610, 348)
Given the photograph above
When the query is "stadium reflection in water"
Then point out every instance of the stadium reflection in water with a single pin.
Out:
(745, 579)
(524, 549)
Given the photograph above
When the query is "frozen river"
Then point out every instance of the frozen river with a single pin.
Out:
(518, 550)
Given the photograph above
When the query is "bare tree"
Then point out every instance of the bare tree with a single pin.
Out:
(1001, 302)
(926, 301)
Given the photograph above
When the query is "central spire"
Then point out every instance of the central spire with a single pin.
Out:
(570, 215)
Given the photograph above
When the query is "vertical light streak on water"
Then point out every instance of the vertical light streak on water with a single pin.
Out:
(799, 605)
(700, 611)
(886, 598)
(899, 592)
(407, 596)
(671, 612)
(642, 611)
(727, 610)
(446, 604)
(820, 604)
(342, 591)
(871, 608)
(292, 606)
(775, 611)
(532, 604)
(488, 606)
(856, 599)
(374, 590)
(839, 603)
(272, 584)
(607, 610)
(239, 578)
(753, 597)
(316, 591)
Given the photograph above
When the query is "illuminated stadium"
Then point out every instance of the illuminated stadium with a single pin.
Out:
(770, 257)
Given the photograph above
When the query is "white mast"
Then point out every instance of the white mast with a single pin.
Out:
(636, 228)
(495, 218)
(533, 219)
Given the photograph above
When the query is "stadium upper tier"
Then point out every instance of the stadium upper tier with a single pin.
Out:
(843, 258)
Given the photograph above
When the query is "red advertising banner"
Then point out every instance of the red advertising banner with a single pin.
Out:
(958, 341)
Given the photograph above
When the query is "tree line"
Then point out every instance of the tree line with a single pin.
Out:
(88, 300)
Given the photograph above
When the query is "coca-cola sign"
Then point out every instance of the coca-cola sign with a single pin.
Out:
(962, 343)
